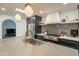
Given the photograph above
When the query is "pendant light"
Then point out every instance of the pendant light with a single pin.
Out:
(28, 10)
(18, 17)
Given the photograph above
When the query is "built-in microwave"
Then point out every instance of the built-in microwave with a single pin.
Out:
(74, 32)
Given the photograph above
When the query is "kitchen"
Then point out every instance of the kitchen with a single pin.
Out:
(53, 30)
(61, 28)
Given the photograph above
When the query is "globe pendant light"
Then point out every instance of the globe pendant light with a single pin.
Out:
(18, 17)
(28, 10)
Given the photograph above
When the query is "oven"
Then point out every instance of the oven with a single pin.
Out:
(74, 32)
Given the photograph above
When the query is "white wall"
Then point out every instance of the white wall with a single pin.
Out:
(20, 25)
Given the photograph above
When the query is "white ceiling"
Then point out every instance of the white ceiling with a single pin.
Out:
(45, 7)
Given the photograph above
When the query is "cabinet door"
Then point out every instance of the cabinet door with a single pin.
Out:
(38, 29)
(31, 20)
(69, 43)
(70, 15)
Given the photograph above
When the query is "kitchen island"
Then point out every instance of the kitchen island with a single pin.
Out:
(15, 46)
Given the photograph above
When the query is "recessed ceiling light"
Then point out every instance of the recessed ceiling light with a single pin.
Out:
(3, 9)
(41, 12)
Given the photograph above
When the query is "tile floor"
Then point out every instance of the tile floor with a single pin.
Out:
(17, 47)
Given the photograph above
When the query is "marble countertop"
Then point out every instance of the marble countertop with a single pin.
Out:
(64, 37)
(70, 38)
(41, 34)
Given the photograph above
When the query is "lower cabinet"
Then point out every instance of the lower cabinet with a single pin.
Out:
(40, 37)
(64, 42)
(70, 43)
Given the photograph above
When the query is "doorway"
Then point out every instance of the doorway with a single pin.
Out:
(8, 29)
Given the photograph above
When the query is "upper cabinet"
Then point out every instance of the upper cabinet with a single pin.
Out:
(70, 16)
(42, 20)
(34, 19)
(52, 18)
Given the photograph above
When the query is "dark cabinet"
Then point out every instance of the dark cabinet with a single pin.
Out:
(70, 43)
(33, 25)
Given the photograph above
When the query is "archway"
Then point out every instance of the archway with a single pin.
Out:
(8, 28)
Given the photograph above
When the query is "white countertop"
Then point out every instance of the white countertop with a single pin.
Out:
(41, 34)
(70, 38)
(64, 37)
